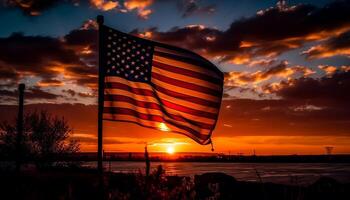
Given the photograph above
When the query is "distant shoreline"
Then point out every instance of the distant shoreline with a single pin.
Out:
(139, 157)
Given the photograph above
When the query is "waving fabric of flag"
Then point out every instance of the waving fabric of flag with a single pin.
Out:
(159, 86)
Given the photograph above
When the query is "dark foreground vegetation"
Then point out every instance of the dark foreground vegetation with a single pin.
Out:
(68, 183)
(45, 139)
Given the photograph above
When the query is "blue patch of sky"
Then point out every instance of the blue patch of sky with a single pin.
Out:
(61, 19)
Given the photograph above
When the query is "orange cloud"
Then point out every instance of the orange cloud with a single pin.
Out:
(89, 24)
(146, 34)
(140, 6)
(338, 45)
(104, 5)
(345, 68)
(328, 69)
(321, 51)
(280, 71)
(50, 83)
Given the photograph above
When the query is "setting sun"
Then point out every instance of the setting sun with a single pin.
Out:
(170, 150)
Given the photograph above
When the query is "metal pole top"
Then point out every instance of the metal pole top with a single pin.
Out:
(100, 19)
(21, 87)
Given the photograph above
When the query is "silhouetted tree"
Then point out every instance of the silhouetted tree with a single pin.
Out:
(8, 143)
(45, 138)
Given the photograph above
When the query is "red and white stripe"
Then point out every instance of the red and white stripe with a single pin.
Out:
(184, 96)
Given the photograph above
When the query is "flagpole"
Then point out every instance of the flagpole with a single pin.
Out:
(100, 21)
(21, 88)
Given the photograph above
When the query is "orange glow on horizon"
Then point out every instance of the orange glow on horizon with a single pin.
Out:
(170, 150)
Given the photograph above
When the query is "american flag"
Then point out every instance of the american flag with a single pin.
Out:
(159, 86)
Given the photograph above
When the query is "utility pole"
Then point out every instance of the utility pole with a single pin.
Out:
(19, 138)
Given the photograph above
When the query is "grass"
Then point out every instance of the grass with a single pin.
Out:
(75, 183)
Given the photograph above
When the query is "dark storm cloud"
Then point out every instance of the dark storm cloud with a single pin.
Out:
(74, 57)
(82, 37)
(34, 7)
(329, 89)
(37, 54)
(269, 33)
(30, 93)
(193, 7)
(70, 92)
(8, 74)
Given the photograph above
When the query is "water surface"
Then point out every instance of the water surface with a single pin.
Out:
(286, 173)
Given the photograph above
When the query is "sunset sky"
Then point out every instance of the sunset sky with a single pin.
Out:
(286, 66)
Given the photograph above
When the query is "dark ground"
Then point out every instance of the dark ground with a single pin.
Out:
(84, 184)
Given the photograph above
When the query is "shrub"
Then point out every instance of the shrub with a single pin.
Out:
(45, 138)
